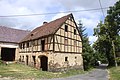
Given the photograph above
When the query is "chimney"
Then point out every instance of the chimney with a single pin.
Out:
(44, 22)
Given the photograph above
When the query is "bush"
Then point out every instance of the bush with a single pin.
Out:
(0, 60)
(118, 60)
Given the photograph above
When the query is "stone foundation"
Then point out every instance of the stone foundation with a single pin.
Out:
(56, 61)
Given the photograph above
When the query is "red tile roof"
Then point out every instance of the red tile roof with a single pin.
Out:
(12, 35)
(47, 28)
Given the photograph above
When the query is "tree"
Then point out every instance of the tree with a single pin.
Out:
(88, 53)
(103, 44)
(108, 34)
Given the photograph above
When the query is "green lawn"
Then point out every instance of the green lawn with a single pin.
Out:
(114, 73)
(20, 71)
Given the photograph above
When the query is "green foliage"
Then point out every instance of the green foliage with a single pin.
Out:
(108, 41)
(88, 53)
(0, 60)
(114, 73)
(118, 60)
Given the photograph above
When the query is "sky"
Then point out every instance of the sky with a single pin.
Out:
(89, 19)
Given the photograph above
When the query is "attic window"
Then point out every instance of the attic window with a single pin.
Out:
(71, 18)
(66, 28)
(74, 31)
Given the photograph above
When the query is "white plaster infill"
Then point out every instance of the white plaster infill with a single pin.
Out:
(9, 45)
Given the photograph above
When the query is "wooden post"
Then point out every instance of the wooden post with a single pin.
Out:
(114, 53)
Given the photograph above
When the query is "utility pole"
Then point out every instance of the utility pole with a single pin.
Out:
(113, 45)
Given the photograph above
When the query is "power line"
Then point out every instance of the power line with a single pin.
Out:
(101, 8)
(54, 12)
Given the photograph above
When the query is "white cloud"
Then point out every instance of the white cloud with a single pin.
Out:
(92, 39)
(58, 16)
(21, 7)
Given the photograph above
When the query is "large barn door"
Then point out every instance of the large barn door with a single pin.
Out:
(44, 63)
(8, 54)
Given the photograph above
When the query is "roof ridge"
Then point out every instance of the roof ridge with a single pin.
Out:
(47, 29)
(14, 28)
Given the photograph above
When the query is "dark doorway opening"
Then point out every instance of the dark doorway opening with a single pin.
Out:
(8, 54)
(34, 61)
(44, 63)
(43, 45)
(26, 59)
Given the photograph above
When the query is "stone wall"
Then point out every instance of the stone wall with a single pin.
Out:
(17, 54)
(56, 61)
(65, 61)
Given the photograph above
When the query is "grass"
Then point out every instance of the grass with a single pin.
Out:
(114, 73)
(20, 71)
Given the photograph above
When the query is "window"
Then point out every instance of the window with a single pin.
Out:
(22, 58)
(42, 45)
(71, 18)
(20, 45)
(75, 57)
(66, 58)
(66, 28)
(74, 31)
(23, 45)
(27, 44)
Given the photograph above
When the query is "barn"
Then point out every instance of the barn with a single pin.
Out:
(9, 43)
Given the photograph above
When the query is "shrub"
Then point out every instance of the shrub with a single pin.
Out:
(118, 60)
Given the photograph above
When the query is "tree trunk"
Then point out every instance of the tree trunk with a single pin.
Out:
(110, 57)
(113, 46)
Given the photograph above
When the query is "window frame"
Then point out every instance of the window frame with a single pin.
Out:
(66, 28)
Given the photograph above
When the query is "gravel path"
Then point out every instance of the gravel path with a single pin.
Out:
(97, 74)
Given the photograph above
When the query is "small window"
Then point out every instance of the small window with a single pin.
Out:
(42, 45)
(23, 45)
(66, 58)
(20, 45)
(74, 31)
(71, 18)
(27, 44)
(22, 58)
(75, 57)
(66, 28)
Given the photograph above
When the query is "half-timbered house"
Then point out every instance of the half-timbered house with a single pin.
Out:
(54, 46)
